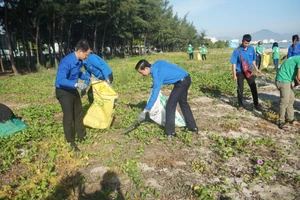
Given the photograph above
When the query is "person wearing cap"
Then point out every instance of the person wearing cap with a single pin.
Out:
(66, 84)
(294, 50)
(276, 55)
(163, 72)
(203, 52)
(247, 52)
(190, 52)
(96, 66)
(259, 53)
(288, 71)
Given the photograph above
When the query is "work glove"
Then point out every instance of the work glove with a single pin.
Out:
(83, 92)
(142, 116)
(80, 86)
(93, 79)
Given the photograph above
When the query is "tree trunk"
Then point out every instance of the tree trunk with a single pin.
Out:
(49, 48)
(103, 39)
(9, 41)
(2, 67)
(95, 37)
(60, 39)
(68, 39)
(53, 40)
(3, 53)
(131, 44)
(37, 41)
(25, 44)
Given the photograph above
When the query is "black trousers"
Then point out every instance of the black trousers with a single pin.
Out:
(90, 91)
(70, 102)
(191, 56)
(240, 89)
(203, 56)
(258, 60)
(179, 95)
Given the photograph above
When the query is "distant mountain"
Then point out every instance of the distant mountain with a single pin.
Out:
(264, 34)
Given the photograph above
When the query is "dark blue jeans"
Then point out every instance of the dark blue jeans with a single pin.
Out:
(275, 61)
(179, 95)
(258, 60)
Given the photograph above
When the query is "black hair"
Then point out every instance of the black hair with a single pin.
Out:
(83, 45)
(275, 44)
(142, 64)
(295, 37)
(259, 42)
(247, 37)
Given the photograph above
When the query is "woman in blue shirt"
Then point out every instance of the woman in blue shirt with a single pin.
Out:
(163, 72)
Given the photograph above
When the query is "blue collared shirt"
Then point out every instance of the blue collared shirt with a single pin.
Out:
(96, 66)
(163, 72)
(69, 70)
(292, 51)
(248, 56)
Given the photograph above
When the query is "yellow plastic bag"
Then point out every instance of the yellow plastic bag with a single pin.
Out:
(100, 113)
(265, 60)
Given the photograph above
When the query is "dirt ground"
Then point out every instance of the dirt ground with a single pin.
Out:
(168, 168)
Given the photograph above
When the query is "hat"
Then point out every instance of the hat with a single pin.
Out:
(190, 45)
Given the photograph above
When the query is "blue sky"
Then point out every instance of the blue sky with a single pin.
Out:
(236, 17)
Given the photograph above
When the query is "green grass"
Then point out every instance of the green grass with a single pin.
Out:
(49, 169)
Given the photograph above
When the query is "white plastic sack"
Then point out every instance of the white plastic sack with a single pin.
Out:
(158, 112)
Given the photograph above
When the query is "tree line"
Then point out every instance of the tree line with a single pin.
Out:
(122, 25)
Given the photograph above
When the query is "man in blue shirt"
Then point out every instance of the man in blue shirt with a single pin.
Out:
(163, 72)
(248, 54)
(66, 84)
(99, 68)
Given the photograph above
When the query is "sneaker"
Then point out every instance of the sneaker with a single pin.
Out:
(75, 147)
(297, 88)
(259, 107)
(194, 130)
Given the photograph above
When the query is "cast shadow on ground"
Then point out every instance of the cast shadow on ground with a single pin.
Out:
(216, 93)
(274, 100)
(141, 105)
(232, 101)
(74, 186)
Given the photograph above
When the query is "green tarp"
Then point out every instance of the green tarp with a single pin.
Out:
(11, 126)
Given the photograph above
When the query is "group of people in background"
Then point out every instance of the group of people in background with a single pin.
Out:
(260, 53)
(190, 51)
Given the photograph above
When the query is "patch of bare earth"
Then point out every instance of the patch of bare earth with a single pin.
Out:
(168, 168)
